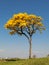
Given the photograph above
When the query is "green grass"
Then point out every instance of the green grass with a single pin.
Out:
(35, 61)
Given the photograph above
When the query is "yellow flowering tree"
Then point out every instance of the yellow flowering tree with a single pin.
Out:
(25, 24)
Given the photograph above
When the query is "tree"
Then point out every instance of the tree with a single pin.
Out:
(48, 55)
(34, 56)
(25, 24)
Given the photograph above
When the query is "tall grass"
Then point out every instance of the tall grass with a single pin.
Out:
(35, 61)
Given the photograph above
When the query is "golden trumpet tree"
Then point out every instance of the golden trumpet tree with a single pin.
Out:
(25, 24)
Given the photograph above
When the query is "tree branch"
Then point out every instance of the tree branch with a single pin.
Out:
(24, 33)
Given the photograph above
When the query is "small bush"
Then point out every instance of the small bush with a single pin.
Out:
(12, 59)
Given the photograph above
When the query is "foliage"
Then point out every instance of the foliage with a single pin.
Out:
(23, 23)
(12, 59)
(36, 61)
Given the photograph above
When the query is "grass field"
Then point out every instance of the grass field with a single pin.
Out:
(35, 61)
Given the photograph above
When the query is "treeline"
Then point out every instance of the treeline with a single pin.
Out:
(10, 59)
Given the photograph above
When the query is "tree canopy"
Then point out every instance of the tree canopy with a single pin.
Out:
(23, 24)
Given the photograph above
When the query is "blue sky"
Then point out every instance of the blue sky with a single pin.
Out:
(18, 46)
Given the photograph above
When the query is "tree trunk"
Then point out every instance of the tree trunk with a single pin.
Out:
(30, 46)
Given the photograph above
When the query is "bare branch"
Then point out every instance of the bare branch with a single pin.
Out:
(24, 33)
